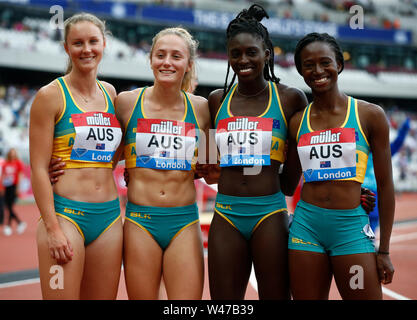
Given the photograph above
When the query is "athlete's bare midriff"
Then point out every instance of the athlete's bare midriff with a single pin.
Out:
(250, 181)
(87, 185)
(332, 194)
(161, 188)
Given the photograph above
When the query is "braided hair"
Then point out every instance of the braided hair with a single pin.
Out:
(320, 37)
(248, 21)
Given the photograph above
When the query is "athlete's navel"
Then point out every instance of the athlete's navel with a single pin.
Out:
(162, 192)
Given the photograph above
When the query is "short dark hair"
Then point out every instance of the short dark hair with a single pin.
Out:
(248, 21)
(318, 37)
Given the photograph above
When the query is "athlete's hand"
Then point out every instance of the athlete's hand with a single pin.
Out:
(55, 169)
(126, 176)
(385, 268)
(59, 247)
(210, 172)
(367, 200)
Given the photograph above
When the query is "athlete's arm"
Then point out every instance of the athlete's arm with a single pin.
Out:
(291, 173)
(293, 102)
(45, 108)
(378, 138)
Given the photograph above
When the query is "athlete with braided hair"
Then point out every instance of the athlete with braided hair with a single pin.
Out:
(250, 224)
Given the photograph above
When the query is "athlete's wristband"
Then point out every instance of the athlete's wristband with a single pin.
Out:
(383, 252)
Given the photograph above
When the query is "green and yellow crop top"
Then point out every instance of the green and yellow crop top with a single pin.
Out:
(251, 141)
(85, 139)
(161, 144)
(336, 153)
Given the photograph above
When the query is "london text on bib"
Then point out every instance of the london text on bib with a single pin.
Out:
(165, 144)
(97, 136)
(244, 141)
(328, 154)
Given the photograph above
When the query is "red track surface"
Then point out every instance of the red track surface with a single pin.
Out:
(18, 252)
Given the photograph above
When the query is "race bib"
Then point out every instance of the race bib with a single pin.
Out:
(328, 154)
(244, 141)
(165, 144)
(97, 136)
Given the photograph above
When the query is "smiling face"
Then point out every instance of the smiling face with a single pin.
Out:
(85, 45)
(170, 59)
(319, 66)
(247, 56)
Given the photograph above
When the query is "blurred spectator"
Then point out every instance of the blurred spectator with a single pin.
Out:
(11, 171)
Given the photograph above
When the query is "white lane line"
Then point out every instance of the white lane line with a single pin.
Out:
(403, 237)
(388, 292)
(19, 283)
(252, 279)
(393, 294)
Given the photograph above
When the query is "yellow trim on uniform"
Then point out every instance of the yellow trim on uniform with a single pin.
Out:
(347, 113)
(133, 109)
(140, 226)
(301, 122)
(226, 218)
(192, 107)
(280, 105)
(70, 220)
(184, 227)
(269, 100)
(343, 124)
(108, 227)
(65, 102)
(106, 91)
(146, 117)
(75, 102)
(185, 106)
(221, 103)
(229, 111)
(359, 123)
(266, 216)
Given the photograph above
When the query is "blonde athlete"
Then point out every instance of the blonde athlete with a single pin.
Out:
(162, 125)
(73, 118)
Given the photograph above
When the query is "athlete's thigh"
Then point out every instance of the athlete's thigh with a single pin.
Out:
(142, 262)
(356, 276)
(103, 261)
(310, 275)
(60, 281)
(229, 260)
(269, 245)
(183, 265)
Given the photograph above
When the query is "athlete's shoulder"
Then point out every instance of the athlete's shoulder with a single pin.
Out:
(201, 109)
(197, 100)
(110, 89)
(371, 114)
(49, 94)
(48, 101)
(214, 101)
(128, 97)
(292, 99)
(369, 107)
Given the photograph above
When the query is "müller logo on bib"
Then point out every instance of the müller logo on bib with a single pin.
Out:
(97, 136)
(244, 141)
(328, 154)
(165, 144)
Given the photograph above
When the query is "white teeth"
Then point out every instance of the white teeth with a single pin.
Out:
(245, 70)
(321, 80)
(166, 71)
